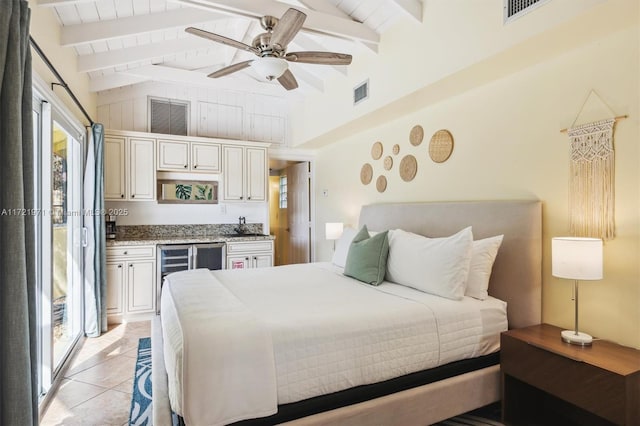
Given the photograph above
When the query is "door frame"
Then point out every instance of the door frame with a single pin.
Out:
(294, 155)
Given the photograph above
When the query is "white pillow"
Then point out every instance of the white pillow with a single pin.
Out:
(483, 255)
(342, 247)
(434, 265)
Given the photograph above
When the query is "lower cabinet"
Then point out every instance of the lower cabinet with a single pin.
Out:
(249, 254)
(131, 282)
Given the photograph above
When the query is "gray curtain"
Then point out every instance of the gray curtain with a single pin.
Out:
(95, 288)
(18, 356)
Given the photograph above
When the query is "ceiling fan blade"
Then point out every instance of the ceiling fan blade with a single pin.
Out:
(288, 81)
(325, 58)
(230, 69)
(287, 28)
(220, 39)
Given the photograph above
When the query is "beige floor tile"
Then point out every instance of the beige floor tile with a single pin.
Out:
(126, 386)
(110, 408)
(108, 373)
(72, 393)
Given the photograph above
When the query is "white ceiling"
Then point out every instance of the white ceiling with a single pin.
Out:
(125, 42)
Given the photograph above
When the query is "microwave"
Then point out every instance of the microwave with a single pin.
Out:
(187, 191)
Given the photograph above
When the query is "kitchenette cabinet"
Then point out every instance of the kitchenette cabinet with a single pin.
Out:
(129, 173)
(131, 283)
(249, 254)
(174, 155)
(245, 173)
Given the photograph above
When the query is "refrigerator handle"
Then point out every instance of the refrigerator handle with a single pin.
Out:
(193, 250)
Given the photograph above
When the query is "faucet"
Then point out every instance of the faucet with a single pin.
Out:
(242, 223)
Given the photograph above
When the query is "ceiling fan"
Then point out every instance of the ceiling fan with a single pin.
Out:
(271, 49)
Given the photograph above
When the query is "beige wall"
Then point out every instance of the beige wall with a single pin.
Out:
(508, 146)
(45, 30)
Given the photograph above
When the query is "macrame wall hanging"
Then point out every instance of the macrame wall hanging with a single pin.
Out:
(591, 178)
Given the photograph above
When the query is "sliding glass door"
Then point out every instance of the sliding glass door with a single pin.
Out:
(58, 200)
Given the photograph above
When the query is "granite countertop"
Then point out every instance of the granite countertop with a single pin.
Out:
(183, 239)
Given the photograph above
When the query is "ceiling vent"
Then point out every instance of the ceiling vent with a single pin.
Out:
(513, 9)
(361, 92)
(169, 117)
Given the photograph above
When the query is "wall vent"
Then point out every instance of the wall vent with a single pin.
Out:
(167, 116)
(361, 92)
(513, 9)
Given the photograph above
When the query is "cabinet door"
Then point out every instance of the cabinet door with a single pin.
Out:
(114, 168)
(262, 260)
(233, 173)
(205, 157)
(238, 262)
(256, 170)
(115, 283)
(142, 172)
(141, 286)
(173, 155)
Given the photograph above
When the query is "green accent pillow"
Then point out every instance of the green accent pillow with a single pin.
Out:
(367, 257)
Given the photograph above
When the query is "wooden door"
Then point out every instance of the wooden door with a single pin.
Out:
(142, 171)
(205, 157)
(115, 283)
(257, 174)
(299, 212)
(141, 286)
(173, 155)
(233, 173)
(114, 168)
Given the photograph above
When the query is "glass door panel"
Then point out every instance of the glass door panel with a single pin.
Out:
(66, 223)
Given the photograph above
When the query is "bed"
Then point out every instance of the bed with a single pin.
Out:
(379, 369)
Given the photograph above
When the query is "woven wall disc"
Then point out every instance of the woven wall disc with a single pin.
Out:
(381, 183)
(388, 162)
(396, 149)
(416, 135)
(441, 146)
(376, 150)
(408, 168)
(366, 174)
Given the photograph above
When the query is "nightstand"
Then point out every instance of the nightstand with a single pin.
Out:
(547, 382)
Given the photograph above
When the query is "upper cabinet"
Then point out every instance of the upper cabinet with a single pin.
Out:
(188, 156)
(129, 172)
(245, 173)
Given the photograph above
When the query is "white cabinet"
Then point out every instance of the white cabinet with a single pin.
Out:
(131, 282)
(188, 156)
(244, 173)
(249, 254)
(129, 168)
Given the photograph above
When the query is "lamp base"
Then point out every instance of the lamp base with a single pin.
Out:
(576, 338)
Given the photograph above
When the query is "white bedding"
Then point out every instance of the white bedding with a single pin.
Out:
(328, 333)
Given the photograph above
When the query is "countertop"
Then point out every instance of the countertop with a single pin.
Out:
(184, 239)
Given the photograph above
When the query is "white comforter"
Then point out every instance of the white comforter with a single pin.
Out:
(321, 331)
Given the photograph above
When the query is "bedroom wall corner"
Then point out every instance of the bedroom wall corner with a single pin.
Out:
(507, 145)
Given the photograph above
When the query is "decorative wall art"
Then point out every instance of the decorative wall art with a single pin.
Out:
(440, 149)
(417, 135)
(441, 146)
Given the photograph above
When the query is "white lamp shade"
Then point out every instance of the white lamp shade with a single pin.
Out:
(269, 68)
(333, 231)
(576, 258)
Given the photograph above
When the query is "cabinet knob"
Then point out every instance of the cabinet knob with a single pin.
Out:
(185, 166)
(241, 197)
(195, 167)
(246, 258)
(121, 195)
(120, 266)
(133, 195)
(248, 198)
(126, 252)
(131, 265)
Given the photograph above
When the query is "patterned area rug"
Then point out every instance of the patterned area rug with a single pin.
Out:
(141, 413)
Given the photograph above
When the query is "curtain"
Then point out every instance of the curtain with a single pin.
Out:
(18, 357)
(95, 279)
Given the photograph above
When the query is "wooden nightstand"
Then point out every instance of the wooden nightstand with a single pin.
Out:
(546, 381)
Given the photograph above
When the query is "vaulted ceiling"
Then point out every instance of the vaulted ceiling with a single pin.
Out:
(126, 42)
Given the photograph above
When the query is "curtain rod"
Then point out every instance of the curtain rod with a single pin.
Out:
(61, 83)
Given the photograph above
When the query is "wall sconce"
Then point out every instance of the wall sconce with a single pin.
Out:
(577, 259)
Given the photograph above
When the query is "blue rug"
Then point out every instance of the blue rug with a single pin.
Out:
(141, 413)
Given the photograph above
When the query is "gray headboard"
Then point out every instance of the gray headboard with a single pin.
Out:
(517, 272)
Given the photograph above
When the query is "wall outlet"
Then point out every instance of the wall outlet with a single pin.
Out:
(223, 208)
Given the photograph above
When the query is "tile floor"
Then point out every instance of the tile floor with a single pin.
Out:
(96, 389)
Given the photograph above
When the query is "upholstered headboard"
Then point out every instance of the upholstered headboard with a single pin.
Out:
(517, 272)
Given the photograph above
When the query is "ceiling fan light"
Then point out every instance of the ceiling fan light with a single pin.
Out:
(269, 68)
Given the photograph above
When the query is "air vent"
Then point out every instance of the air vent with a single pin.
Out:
(168, 117)
(513, 9)
(361, 92)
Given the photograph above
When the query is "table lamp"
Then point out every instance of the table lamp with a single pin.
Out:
(577, 259)
(333, 231)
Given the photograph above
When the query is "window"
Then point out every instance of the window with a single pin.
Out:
(283, 191)
(169, 117)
